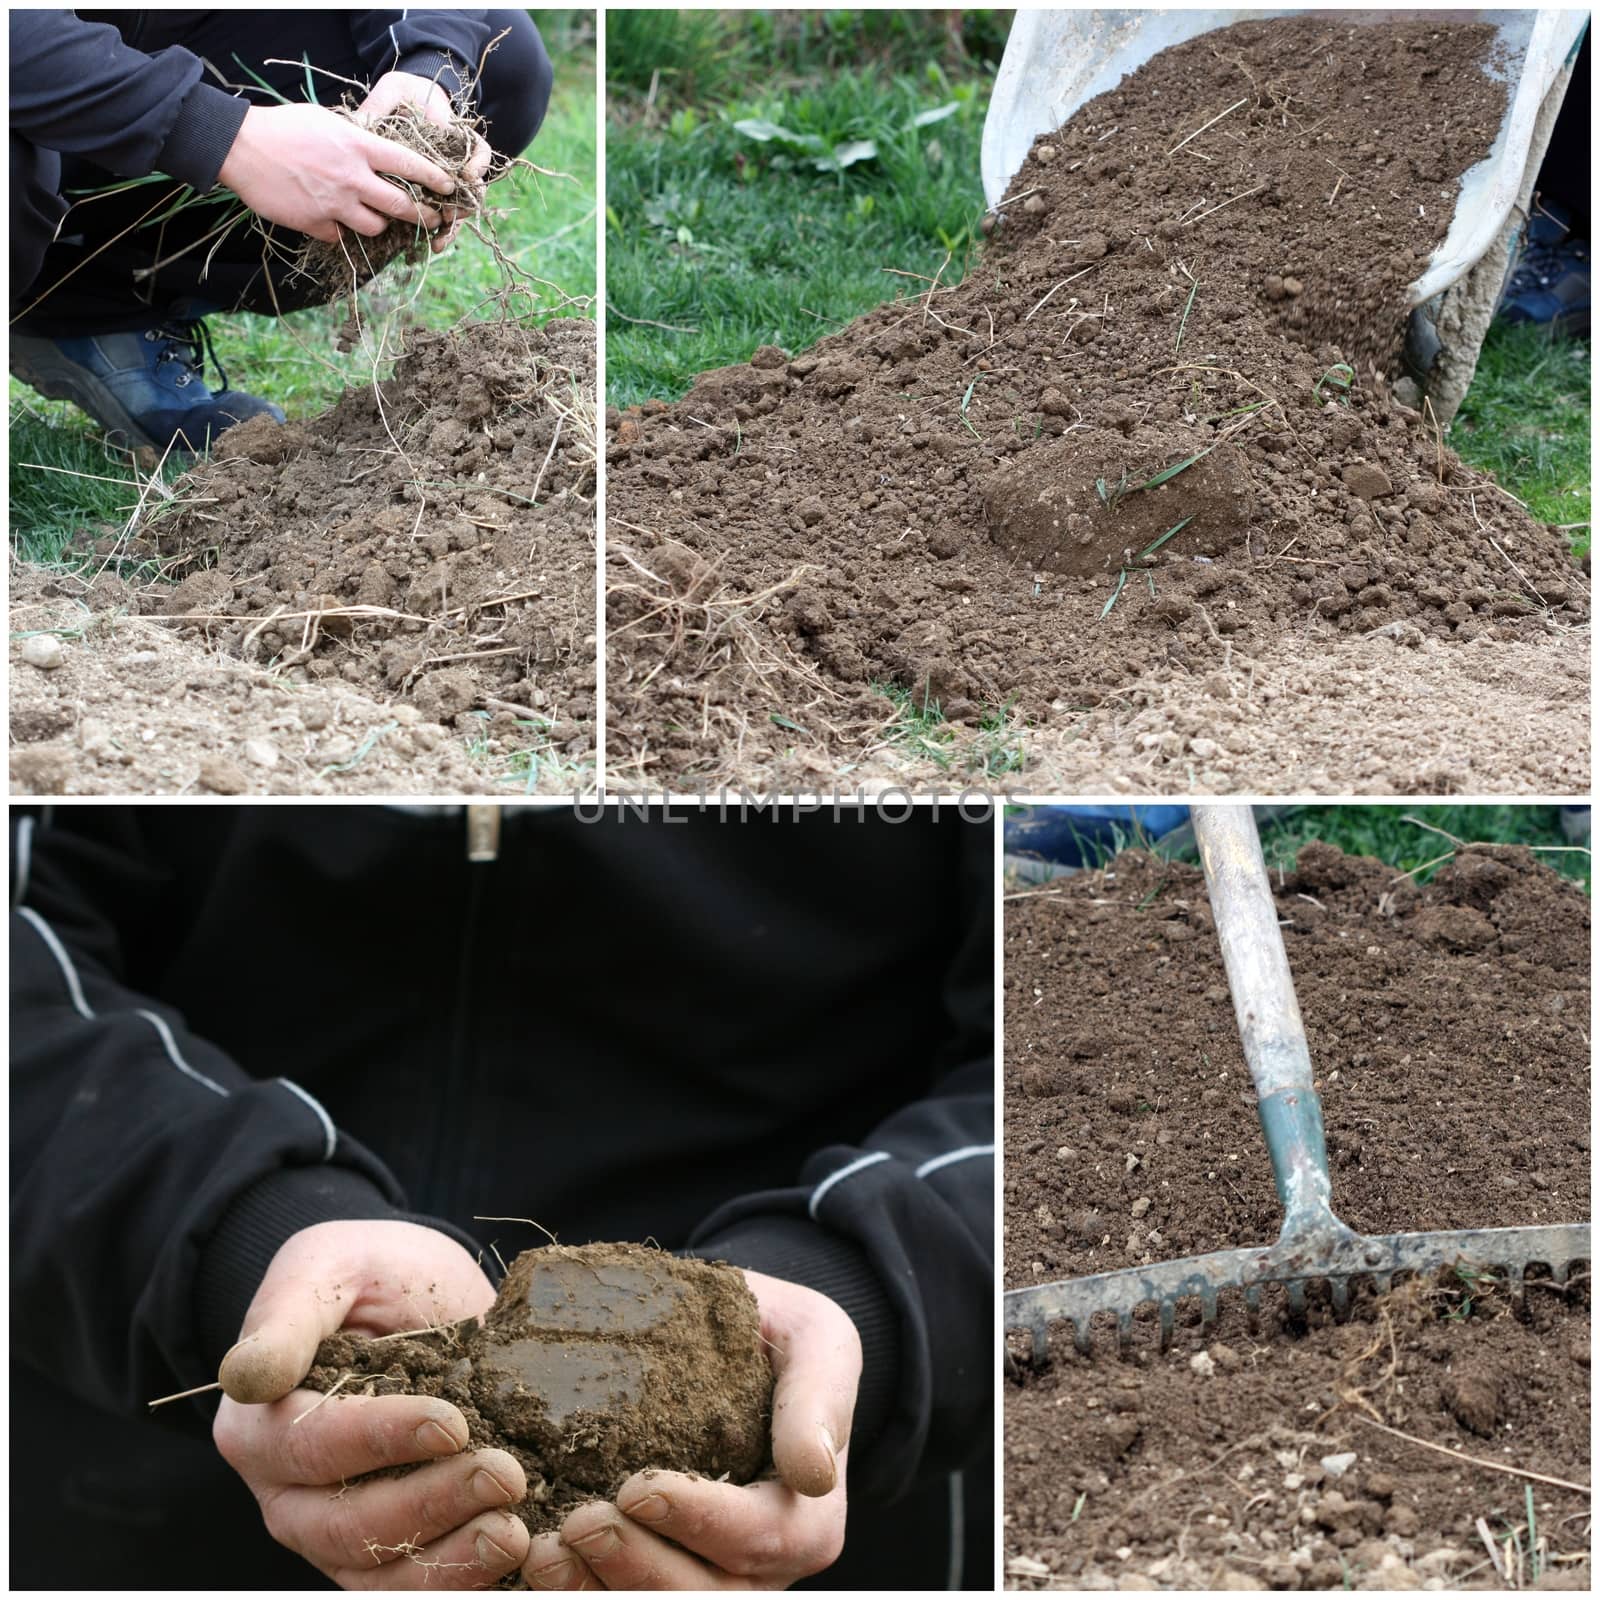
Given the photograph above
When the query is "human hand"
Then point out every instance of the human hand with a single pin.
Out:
(396, 89)
(312, 170)
(374, 1278)
(668, 1530)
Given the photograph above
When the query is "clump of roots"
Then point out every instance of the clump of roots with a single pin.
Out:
(354, 260)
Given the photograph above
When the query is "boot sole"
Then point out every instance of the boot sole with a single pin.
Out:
(64, 380)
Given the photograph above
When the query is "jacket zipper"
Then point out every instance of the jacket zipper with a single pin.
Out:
(483, 833)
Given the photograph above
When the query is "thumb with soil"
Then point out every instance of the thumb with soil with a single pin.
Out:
(374, 1490)
(370, 1277)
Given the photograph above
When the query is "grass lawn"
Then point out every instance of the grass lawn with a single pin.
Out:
(739, 219)
(547, 225)
(1526, 419)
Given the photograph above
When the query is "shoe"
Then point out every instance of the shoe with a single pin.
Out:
(145, 388)
(1550, 281)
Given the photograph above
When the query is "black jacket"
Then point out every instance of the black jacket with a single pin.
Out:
(768, 1040)
(107, 86)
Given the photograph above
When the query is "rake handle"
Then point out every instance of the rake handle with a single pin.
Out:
(1270, 1026)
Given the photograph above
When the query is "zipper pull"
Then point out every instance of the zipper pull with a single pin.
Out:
(483, 833)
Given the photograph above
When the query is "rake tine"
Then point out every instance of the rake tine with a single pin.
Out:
(1340, 1288)
(1080, 1336)
(1208, 1306)
(1514, 1277)
(1297, 1296)
(1124, 1332)
(1559, 1271)
(1168, 1318)
(1252, 1305)
(1384, 1281)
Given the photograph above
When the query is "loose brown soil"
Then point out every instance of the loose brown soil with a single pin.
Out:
(591, 1365)
(1448, 1027)
(947, 495)
(389, 550)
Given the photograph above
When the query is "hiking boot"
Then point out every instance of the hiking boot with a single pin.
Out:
(1550, 281)
(143, 388)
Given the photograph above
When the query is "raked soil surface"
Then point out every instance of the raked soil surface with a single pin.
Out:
(1140, 484)
(1448, 1026)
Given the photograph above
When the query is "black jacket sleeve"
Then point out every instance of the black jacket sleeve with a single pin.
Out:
(900, 1232)
(446, 46)
(77, 88)
(152, 1180)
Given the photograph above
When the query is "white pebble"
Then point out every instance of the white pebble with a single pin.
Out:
(43, 651)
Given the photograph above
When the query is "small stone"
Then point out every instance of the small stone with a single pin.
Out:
(1202, 1365)
(1292, 287)
(1035, 204)
(1205, 749)
(43, 651)
(1064, 1153)
(812, 511)
(222, 776)
(1046, 155)
(1226, 1357)
(1337, 1465)
(1141, 1205)
(1438, 1562)
(261, 752)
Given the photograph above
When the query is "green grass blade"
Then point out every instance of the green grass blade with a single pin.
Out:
(1122, 578)
(1155, 544)
(283, 99)
(1168, 473)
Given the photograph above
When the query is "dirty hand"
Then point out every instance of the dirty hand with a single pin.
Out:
(311, 169)
(395, 89)
(433, 1525)
(668, 1530)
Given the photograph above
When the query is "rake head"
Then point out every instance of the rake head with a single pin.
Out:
(1333, 1255)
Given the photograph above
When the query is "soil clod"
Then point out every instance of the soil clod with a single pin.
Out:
(592, 1364)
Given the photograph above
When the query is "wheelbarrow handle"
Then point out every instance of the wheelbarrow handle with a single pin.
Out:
(1270, 1027)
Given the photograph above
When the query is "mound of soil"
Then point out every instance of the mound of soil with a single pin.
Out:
(131, 708)
(1149, 439)
(592, 1364)
(430, 540)
(1448, 1028)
